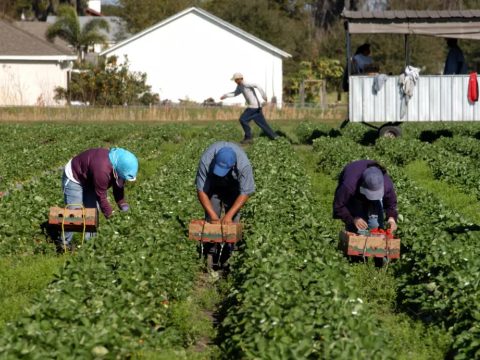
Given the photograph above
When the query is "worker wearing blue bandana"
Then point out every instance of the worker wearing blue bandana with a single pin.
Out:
(88, 176)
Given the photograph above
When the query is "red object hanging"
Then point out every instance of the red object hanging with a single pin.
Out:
(473, 87)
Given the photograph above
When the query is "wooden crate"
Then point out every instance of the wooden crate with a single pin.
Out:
(371, 246)
(73, 218)
(201, 230)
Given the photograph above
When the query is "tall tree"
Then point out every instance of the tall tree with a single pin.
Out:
(68, 28)
(140, 14)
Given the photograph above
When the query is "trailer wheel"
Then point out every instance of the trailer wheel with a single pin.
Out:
(390, 131)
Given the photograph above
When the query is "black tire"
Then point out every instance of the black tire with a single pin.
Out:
(390, 131)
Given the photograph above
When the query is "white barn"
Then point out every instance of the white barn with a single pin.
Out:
(30, 68)
(193, 55)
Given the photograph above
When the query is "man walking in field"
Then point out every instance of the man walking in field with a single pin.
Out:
(253, 110)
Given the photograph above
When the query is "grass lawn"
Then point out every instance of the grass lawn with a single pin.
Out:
(21, 279)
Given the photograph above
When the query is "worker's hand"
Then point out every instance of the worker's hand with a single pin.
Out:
(124, 207)
(360, 223)
(392, 224)
(215, 221)
(227, 220)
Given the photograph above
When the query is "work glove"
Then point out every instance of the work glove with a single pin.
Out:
(124, 207)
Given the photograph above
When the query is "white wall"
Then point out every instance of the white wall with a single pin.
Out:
(435, 98)
(28, 83)
(195, 59)
(95, 5)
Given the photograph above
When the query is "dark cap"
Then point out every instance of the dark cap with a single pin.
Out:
(372, 184)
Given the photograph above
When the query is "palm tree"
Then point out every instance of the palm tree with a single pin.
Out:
(68, 28)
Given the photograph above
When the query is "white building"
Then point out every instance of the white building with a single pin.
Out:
(193, 54)
(30, 68)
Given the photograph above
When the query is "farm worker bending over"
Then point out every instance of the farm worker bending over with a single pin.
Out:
(254, 109)
(224, 180)
(89, 175)
(364, 193)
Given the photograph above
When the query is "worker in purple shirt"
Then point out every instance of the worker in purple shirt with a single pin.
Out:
(364, 193)
(88, 176)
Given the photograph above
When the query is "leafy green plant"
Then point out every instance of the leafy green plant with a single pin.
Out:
(108, 84)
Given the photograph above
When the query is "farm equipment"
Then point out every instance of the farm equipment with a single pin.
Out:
(373, 243)
(216, 234)
(435, 97)
(77, 219)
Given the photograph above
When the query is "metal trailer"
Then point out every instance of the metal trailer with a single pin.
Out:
(436, 97)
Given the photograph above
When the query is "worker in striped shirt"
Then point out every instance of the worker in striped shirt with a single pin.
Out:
(253, 110)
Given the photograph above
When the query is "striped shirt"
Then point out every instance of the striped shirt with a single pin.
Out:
(248, 91)
(242, 172)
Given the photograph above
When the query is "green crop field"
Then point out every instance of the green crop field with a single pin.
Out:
(139, 291)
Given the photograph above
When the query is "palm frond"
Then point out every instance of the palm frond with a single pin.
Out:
(66, 27)
(92, 38)
(96, 24)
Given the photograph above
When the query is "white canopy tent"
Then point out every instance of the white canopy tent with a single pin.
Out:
(463, 24)
(460, 24)
(437, 97)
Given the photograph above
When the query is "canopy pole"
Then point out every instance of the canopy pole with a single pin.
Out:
(349, 51)
(407, 50)
(349, 68)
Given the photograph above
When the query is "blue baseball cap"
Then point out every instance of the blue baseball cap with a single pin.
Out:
(225, 160)
(124, 163)
(372, 185)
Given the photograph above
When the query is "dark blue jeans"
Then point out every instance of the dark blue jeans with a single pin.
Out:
(221, 200)
(257, 116)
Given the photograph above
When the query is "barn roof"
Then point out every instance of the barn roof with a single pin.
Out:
(209, 17)
(462, 24)
(39, 29)
(20, 44)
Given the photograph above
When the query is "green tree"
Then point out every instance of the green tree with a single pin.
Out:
(108, 84)
(141, 14)
(67, 27)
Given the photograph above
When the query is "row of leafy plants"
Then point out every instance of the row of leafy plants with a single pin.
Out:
(124, 293)
(437, 273)
(31, 150)
(118, 296)
(32, 173)
(291, 295)
(307, 131)
(450, 159)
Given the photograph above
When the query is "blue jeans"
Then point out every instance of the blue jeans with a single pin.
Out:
(221, 200)
(256, 115)
(74, 193)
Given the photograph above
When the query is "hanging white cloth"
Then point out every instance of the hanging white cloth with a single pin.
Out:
(407, 82)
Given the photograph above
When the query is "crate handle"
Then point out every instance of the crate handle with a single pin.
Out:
(71, 215)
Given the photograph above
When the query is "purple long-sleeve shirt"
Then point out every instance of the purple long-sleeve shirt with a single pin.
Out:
(348, 190)
(92, 168)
